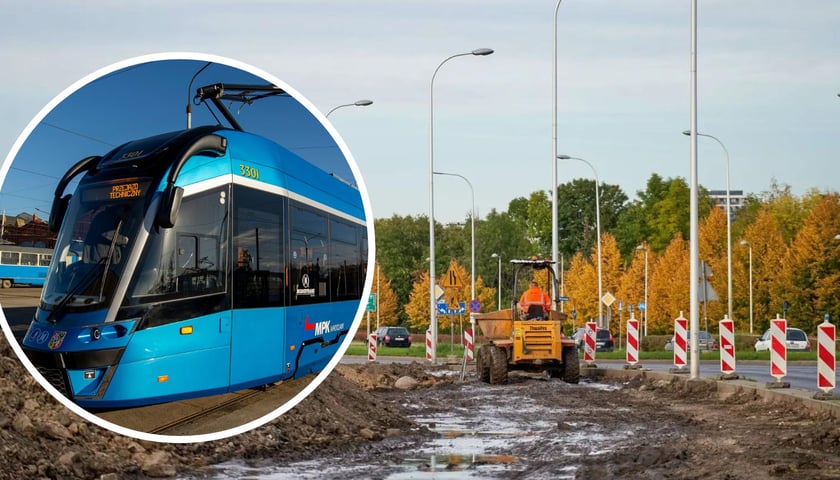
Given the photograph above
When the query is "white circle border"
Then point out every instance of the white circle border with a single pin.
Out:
(4, 168)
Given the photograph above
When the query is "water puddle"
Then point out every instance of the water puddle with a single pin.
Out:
(471, 443)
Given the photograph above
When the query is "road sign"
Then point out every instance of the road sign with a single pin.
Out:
(451, 279)
(443, 309)
(608, 299)
(371, 304)
(475, 305)
(642, 306)
(563, 299)
(439, 292)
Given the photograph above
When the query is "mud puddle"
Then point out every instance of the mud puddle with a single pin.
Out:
(480, 431)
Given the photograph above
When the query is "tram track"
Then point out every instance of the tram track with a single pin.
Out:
(198, 416)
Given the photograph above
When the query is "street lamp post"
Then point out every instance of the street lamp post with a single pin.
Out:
(357, 103)
(728, 223)
(554, 226)
(645, 311)
(598, 232)
(496, 255)
(432, 309)
(472, 230)
(748, 244)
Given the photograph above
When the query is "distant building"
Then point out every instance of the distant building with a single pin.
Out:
(736, 200)
(27, 230)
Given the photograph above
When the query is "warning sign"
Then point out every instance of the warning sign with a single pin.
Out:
(451, 280)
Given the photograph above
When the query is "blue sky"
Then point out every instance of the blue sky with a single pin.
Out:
(768, 80)
(148, 98)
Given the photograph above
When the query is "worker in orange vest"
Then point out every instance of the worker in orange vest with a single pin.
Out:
(535, 296)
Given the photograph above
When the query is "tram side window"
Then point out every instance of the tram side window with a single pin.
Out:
(345, 261)
(29, 259)
(188, 259)
(258, 261)
(44, 260)
(308, 273)
(9, 258)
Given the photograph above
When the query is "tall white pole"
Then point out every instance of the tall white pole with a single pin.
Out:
(499, 257)
(748, 244)
(694, 250)
(472, 228)
(554, 225)
(598, 232)
(432, 307)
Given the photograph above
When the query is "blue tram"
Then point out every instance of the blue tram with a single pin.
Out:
(23, 265)
(194, 263)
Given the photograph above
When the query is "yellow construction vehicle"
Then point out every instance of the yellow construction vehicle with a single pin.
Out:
(527, 337)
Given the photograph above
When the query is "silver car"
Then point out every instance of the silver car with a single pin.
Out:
(705, 341)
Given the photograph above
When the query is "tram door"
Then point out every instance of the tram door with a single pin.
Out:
(257, 335)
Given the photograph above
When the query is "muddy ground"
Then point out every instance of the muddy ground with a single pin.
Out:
(657, 429)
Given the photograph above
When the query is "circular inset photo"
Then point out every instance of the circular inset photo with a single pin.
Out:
(192, 250)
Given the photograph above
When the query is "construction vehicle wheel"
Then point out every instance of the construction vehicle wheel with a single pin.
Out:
(482, 363)
(498, 366)
(571, 365)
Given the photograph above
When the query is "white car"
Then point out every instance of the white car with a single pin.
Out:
(796, 340)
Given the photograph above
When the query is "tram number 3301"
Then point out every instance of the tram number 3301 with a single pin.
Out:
(249, 172)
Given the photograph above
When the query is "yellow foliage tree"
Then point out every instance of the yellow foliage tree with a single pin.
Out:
(766, 240)
(417, 308)
(712, 244)
(388, 306)
(632, 285)
(582, 289)
(668, 290)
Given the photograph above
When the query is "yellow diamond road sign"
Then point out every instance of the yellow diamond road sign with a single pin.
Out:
(608, 299)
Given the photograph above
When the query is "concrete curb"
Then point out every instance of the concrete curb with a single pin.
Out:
(727, 388)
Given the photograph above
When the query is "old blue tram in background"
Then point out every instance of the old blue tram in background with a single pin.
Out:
(194, 263)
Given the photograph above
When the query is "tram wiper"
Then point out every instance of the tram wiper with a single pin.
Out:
(108, 259)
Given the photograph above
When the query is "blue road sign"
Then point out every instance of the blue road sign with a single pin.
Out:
(642, 306)
(443, 309)
(475, 305)
(564, 299)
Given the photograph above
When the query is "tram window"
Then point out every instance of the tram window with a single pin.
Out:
(258, 260)
(9, 258)
(309, 272)
(44, 260)
(186, 260)
(29, 259)
(345, 268)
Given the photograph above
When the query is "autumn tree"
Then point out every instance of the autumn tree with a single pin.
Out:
(668, 292)
(582, 288)
(388, 307)
(811, 269)
(712, 245)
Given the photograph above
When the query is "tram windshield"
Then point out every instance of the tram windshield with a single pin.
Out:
(98, 232)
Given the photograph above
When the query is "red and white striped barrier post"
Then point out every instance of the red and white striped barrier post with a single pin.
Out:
(429, 346)
(632, 355)
(826, 372)
(589, 343)
(778, 352)
(372, 347)
(680, 343)
(727, 349)
(468, 344)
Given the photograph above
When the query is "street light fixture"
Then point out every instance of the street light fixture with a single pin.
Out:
(598, 231)
(748, 244)
(496, 255)
(728, 223)
(643, 246)
(472, 229)
(357, 103)
(432, 308)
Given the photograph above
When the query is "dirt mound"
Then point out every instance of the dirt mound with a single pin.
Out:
(42, 438)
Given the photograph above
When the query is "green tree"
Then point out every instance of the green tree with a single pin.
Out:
(576, 218)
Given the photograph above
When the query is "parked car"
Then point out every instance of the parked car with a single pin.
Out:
(393, 337)
(603, 340)
(705, 340)
(796, 340)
